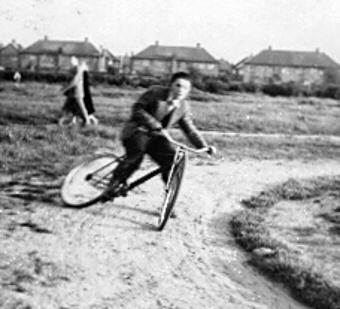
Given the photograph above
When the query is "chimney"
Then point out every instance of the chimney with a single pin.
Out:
(156, 42)
(46, 38)
(86, 39)
(198, 45)
(13, 41)
(269, 47)
(317, 50)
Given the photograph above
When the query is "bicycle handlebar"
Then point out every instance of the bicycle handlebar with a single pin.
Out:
(178, 144)
(183, 146)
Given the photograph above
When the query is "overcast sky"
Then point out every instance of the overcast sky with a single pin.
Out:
(230, 29)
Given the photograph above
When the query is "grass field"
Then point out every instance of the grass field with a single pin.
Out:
(35, 103)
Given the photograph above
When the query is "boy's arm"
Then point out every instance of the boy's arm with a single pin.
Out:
(190, 130)
(141, 111)
(72, 84)
(67, 88)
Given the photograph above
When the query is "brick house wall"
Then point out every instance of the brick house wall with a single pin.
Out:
(265, 74)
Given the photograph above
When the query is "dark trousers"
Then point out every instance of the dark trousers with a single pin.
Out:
(139, 144)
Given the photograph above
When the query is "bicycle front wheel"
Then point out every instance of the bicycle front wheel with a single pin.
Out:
(172, 190)
(86, 183)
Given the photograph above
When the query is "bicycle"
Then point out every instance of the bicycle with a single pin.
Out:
(86, 184)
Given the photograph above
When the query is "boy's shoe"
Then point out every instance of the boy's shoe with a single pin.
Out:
(114, 189)
(173, 214)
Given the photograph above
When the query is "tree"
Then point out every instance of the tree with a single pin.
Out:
(332, 76)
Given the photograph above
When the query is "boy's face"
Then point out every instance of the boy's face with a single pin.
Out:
(180, 88)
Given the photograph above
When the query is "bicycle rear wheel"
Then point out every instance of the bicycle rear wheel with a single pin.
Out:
(85, 184)
(172, 190)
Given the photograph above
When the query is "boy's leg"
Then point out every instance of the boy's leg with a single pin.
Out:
(163, 152)
(135, 148)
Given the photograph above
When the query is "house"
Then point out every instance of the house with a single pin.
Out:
(238, 67)
(161, 60)
(125, 64)
(53, 55)
(10, 56)
(281, 66)
(108, 62)
(224, 67)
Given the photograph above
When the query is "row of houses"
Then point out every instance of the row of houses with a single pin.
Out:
(305, 67)
(53, 55)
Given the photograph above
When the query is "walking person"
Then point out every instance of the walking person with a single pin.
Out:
(78, 96)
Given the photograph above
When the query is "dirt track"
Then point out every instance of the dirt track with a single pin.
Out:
(109, 256)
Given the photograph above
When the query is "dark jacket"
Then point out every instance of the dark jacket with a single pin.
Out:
(87, 94)
(144, 115)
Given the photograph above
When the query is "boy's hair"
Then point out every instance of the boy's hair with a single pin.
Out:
(180, 74)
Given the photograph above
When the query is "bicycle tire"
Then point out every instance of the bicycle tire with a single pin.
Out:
(171, 195)
(85, 184)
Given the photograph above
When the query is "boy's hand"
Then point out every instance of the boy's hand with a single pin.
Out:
(211, 151)
(165, 133)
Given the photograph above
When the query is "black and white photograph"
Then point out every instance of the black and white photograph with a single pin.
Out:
(170, 154)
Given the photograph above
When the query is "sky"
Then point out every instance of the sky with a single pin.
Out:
(229, 29)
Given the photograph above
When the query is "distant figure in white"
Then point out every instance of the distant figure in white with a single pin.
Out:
(78, 102)
(17, 78)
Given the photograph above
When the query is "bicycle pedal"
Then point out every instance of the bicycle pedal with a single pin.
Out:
(173, 215)
(123, 193)
(105, 199)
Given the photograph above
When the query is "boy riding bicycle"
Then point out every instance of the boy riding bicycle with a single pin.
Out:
(157, 109)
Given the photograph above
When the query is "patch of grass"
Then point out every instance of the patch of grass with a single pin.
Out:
(303, 277)
(40, 104)
(38, 157)
(253, 113)
(49, 150)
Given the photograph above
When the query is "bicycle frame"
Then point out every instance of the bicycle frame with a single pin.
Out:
(180, 148)
(99, 171)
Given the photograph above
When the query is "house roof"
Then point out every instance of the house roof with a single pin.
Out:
(224, 65)
(239, 64)
(184, 53)
(78, 48)
(11, 47)
(292, 59)
(108, 54)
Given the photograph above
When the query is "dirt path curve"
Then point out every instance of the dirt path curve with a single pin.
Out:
(108, 256)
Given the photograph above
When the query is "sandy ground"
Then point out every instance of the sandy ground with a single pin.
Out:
(110, 256)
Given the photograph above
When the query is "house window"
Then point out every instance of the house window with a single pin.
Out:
(182, 65)
(159, 64)
(210, 66)
(47, 61)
